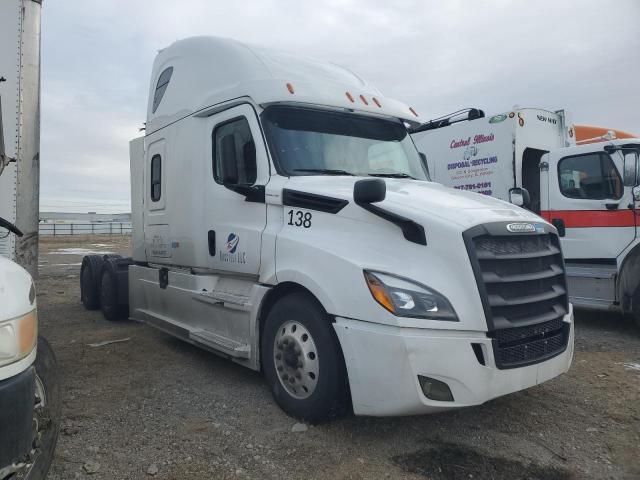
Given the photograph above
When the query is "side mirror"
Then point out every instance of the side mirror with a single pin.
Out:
(370, 190)
(425, 164)
(636, 193)
(228, 159)
(519, 197)
(630, 168)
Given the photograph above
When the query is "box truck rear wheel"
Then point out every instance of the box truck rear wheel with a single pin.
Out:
(302, 360)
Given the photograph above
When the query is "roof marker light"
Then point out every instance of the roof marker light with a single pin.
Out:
(375, 100)
(364, 100)
(290, 88)
(350, 97)
(413, 111)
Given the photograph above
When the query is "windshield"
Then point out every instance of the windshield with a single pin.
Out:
(307, 141)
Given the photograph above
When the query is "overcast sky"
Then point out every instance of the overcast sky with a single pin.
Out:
(438, 56)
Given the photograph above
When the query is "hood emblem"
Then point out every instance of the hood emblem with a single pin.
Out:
(521, 227)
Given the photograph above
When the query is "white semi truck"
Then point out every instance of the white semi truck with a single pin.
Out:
(283, 218)
(587, 189)
(29, 390)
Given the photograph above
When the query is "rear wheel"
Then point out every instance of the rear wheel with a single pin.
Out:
(109, 296)
(88, 289)
(302, 360)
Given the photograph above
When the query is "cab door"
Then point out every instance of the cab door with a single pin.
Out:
(235, 211)
(589, 204)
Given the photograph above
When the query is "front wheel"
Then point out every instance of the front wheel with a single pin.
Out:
(302, 360)
(46, 412)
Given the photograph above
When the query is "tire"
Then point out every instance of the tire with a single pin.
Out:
(89, 294)
(635, 307)
(47, 413)
(315, 389)
(109, 296)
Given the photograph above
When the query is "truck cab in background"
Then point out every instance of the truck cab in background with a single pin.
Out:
(584, 185)
(283, 218)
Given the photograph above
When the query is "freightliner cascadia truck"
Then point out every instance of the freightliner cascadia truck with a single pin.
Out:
(283, 218)
(29, 390)
(583, 180)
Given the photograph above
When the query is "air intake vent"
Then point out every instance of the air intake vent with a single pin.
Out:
(521, 280)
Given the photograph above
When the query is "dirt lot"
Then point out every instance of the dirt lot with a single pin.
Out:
(155, 407)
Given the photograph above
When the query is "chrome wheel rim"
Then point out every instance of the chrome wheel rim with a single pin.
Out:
(296, 359)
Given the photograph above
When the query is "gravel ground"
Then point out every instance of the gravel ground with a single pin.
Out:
(155, 407)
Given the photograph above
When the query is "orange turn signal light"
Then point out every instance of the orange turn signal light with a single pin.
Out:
(379, 292)
(290, 88)
(27, 332)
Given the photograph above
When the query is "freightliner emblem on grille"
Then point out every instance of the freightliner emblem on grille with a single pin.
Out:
(521, 227)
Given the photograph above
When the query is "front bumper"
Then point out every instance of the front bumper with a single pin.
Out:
(383, 364)
(17, 396)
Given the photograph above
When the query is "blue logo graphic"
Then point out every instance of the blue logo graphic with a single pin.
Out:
(232, 243)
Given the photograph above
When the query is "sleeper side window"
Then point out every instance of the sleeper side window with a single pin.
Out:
(592, 177)
(234, 153)
(161, 87)
(156, 178)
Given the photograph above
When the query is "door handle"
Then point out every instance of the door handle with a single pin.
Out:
(611, 206)
(560, 226)
(211, 239)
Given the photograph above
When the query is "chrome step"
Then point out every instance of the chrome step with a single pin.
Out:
(223, 344)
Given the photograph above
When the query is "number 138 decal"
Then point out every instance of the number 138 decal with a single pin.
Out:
(298, 218)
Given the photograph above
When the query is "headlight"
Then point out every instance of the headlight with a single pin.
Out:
(405, 298)
(18, 337)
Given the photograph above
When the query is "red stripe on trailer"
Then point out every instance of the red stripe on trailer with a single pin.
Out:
(592, 218)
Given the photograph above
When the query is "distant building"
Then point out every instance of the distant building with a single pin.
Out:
(89, 217)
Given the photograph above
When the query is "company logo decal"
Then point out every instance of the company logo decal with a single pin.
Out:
(512, 114)
(498, 118)
(521, 227)
(520, 120)
(232, 254)
(232, 243)
(470, 151)
(480, 138)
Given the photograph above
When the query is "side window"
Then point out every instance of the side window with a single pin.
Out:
(156, 178)
(234, 153)
(593, 177)
(161, 87)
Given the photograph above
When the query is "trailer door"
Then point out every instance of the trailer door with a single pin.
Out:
(589, 204)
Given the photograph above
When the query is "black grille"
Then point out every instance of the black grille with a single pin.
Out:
(521, 280)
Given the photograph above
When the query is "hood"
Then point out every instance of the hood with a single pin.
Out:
(419, 200)
(15, 286)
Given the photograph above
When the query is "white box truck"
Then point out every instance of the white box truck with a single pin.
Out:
(283, 218)
(29, 390)
(587, 189)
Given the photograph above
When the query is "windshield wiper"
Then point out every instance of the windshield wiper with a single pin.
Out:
(392, 175)
(325, 171)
